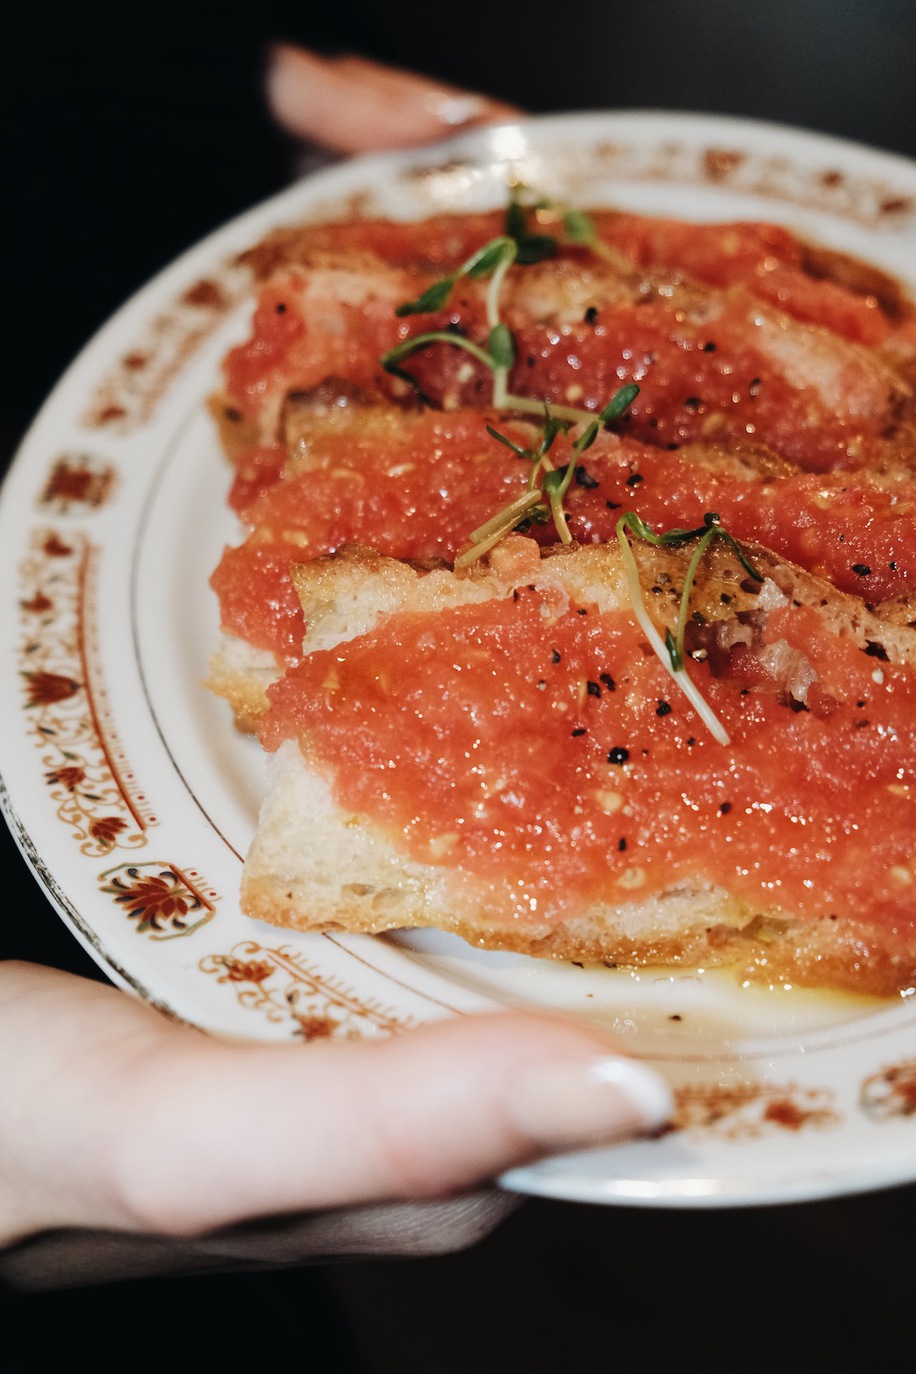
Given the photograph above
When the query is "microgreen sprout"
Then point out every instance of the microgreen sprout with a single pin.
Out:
(670, 650)
(531, 247)
(518, 245)
(547, 485)
(493, 260)
(577, 226)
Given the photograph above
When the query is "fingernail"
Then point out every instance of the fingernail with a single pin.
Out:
(454, 110)
(570, 1105)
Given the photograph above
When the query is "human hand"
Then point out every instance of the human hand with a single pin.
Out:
(114, 1117)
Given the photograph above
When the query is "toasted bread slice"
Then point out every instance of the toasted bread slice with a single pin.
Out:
(319, 862)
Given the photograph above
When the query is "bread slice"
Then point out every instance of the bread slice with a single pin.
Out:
(318, 863)
(414, 483)
(241, 674)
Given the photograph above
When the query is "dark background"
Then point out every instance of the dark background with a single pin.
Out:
(128, 139)
(132, 137)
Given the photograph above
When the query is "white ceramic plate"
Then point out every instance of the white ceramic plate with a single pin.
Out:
(134, 799)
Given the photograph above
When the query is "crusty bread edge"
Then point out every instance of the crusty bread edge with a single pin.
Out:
(313, 868)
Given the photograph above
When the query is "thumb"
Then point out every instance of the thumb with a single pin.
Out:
(351, 105)
(268, 1129)
(113, 1117)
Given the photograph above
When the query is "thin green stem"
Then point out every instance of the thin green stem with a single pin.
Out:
(679, 674)
(680, 626)
(404, 350)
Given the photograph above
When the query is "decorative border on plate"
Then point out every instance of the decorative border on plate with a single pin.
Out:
(890, 1093)
(746, 1111)
(129, 393)
(283, 985)
(868, 200)
(165, 901)
(77, 483)
(66, 702)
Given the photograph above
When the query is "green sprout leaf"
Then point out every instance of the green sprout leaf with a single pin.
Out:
(501, 346)
(619, 402)
(497, 253)
(579, 228)
(483, 263)
(434, 298)
(510, 443)
(530, 247)
(553, 481)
